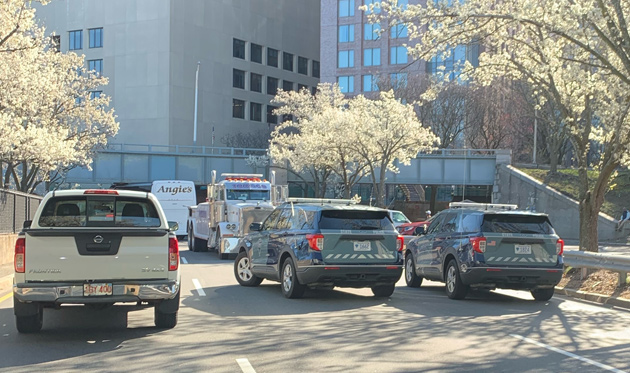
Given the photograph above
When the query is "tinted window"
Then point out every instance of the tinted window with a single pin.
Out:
(355, 220)
(450, 223)
(302, 219)
(436, 223)
(99, 212)
(504, 223)
(284, 221)
(471, 222)
(271, 219)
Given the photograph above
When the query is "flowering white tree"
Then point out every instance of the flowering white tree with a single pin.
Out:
(50, 117)
(574, 52)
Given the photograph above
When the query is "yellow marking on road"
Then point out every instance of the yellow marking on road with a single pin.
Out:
(5, 297)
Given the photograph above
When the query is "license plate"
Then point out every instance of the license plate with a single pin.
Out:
(90, 290)
(362, 246)
(522, 249)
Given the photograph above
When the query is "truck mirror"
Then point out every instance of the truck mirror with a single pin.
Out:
(173, 226)
(255, 227)
(27, 224)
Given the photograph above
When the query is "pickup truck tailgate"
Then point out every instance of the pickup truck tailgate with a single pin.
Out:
(80, 254)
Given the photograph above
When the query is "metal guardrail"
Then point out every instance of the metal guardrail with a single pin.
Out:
(584, 259)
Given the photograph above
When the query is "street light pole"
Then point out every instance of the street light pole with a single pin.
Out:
(535, 132)
(196, 100)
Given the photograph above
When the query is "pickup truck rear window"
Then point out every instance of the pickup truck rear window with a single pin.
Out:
(355, 220)
(99, 212)
(505, 223)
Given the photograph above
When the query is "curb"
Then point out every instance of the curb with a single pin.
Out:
(597, 298)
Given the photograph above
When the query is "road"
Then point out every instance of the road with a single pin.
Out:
(224, 327)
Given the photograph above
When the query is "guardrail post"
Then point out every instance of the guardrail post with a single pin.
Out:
(583, 273)
(622, 279)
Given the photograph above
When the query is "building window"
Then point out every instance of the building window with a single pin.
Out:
(346, 59)
(255, 82)
(272, 57)
(301, 87)
(238, 109)
(371, 31)
(369, 83)
(96, 37)
(398, 55)
(369, 2)
(346, 33)
(56, 42)
(303, 65)
(238, 48)
(95, 94)
(96, 66)
(346, 84)
(372, 57)
(399, 31)
(315, 70)
(287, 85)
(313, 91)
(238, 78)
(287, 61)
(255, 112)
(271, 117)
(346, 8)
(398, 80)
(256, 53)
(272, 86)
(76, 40)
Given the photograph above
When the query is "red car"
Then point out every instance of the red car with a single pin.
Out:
(409, 229)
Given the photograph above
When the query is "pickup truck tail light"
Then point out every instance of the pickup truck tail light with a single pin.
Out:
(173, 254)
(101, 191)
(559, 246)
(478, 244)
(20, 255)
(315, 241)
(401, 243)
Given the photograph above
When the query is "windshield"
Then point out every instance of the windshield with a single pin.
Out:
(247, 195)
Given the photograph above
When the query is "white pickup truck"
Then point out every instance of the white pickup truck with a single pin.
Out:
(96, 248)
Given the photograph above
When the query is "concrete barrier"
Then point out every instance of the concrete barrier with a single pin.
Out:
(7, 248)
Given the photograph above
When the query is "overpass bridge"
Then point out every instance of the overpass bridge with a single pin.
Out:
(138, 163)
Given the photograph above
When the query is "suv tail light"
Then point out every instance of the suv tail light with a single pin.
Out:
(20, 255)
(401, 243)
(478, 244)
(315, 241)
(559, 246)
(173, 254)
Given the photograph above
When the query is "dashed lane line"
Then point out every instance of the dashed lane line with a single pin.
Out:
(566, 353)
(198, 287)
(246, 367)
(184, 261)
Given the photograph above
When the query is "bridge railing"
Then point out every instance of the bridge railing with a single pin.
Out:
(181, 149)
(610, 262)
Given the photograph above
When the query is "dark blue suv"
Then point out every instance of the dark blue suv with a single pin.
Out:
(322, 243)
(488, 246)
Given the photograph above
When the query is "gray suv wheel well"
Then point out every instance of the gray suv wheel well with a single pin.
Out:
(446, 261)
(283, 257)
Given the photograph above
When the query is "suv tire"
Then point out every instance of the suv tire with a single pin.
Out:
(291, 288)
(243, 271)
(382, 291)
(455, 288)
(542, 295)
(411, 278)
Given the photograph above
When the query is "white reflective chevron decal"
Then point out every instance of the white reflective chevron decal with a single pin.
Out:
(354, 256)
(499, 259)
(531, 260)
(370, 256)
(329, 256)
(491, 259)
(346, 256)
(523, 260)
(362, 256)
(337, 256)
(538, 260)
(515, 259)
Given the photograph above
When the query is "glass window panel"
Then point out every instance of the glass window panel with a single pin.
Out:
(272, 57)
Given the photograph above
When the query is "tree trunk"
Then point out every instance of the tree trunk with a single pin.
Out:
(553, 161)
(588, 226)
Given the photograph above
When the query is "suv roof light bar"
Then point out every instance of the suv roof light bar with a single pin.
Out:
(322, 201)
(483, 206)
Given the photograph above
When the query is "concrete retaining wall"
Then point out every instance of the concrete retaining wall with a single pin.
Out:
(514, 186)
(7, 248)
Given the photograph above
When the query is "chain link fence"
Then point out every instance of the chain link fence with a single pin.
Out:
(15, 208)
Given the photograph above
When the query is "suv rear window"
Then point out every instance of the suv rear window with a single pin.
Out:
(505, 223)
(99, 212)
(355, 220)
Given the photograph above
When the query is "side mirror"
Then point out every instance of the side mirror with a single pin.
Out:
(173, 226)
(27, 224)
(255, 227)
(420, 230)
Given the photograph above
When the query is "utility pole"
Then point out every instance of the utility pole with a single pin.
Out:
(196, 100)
(535, 132)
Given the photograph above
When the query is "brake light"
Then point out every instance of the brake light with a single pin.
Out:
(478, 244)
(101, 191)
(173, 254)
(401, 243)
(315, 241)
(559, 246)
(20, 257)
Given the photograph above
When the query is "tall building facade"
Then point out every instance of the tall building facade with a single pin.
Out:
(149, 51)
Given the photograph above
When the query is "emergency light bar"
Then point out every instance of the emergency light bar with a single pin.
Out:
(322, 201)
(484, 206)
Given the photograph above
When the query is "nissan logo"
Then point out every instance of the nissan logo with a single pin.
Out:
(98, 239)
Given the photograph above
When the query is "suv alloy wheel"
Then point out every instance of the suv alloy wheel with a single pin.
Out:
(291, 288)
(455, 288)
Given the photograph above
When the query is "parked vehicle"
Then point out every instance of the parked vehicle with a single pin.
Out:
(411, 229)
(473, 245)
(96, 248)
(398, 217)
(312, 243)
(233, 204)
(175, 196)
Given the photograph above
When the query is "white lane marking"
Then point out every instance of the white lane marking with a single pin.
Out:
(246, 367)
(573, 356)
(198, 287)
(184, 260)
